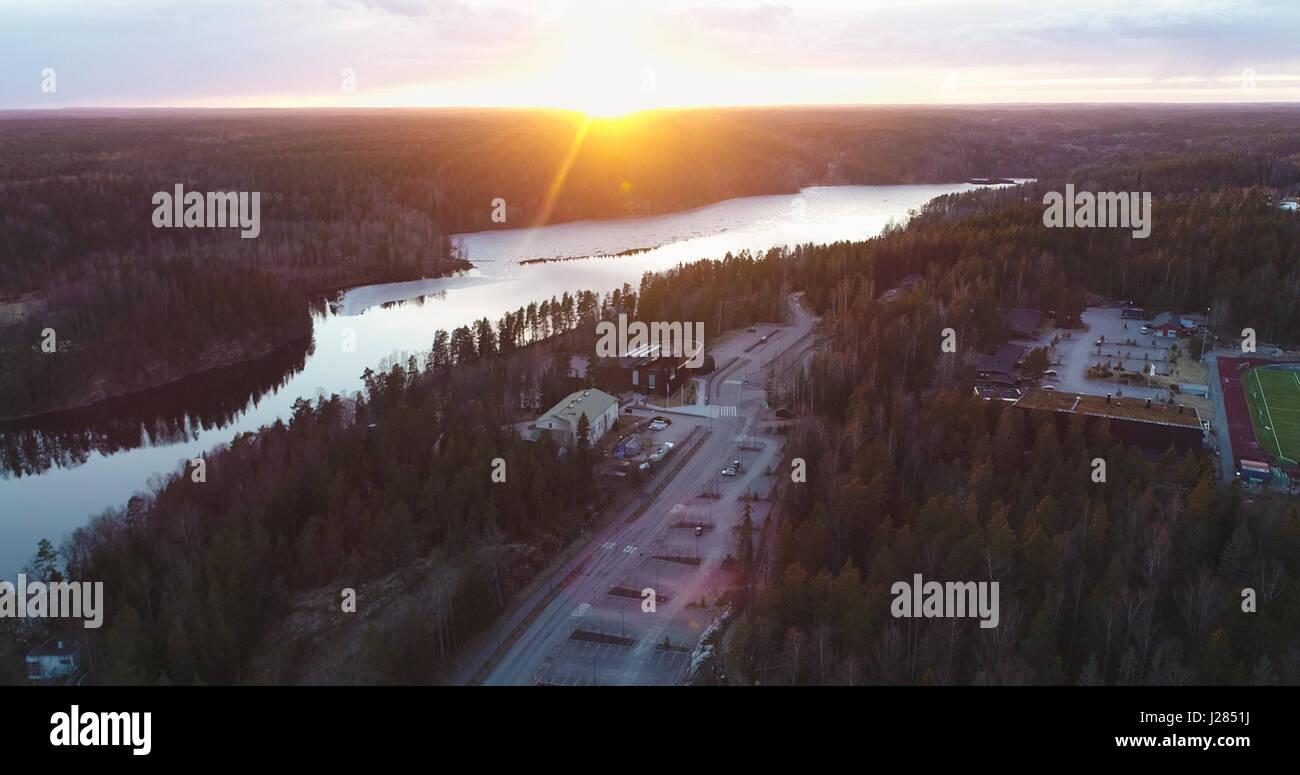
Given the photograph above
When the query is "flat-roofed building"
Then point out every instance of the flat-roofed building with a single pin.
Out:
(991, 393)
(1152, 426)
(1254, 470)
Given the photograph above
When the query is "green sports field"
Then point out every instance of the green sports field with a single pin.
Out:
(1274, 399)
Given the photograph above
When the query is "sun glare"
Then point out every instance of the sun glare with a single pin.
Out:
(606, 68)
(610, 111)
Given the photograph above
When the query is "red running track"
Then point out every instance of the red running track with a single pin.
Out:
(1244, 443)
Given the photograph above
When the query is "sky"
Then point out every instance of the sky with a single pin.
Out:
(612, 57)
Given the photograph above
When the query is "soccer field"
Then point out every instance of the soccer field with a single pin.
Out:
(1274, 399)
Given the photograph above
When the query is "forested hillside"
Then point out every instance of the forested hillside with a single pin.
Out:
(354, 489)
(127, 327)
(1135, 580)
(1128, 581)
(359, 197)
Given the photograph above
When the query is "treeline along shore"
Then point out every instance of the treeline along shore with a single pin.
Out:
(356, 197)
(1134, 580)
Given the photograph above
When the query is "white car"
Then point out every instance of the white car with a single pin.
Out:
(657, 425)
(728, 471)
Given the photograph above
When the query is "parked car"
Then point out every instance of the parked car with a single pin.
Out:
(1048, 387)
(728, 471)
(1146, 329)
(657, 425)
(658, 454)
(1050, 373)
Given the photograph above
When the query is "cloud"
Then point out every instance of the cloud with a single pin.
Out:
(141, 52)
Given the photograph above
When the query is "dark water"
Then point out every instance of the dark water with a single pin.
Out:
(59, 470)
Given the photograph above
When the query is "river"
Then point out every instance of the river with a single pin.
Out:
(97, 459)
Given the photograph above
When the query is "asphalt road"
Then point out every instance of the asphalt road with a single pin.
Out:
(1222, 436)
(588, 635)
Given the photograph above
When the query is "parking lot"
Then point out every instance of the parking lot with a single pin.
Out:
(1122, 342)
(643, 439)
(582, 663)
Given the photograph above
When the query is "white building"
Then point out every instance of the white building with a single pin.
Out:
(600, 408)
(57, 661)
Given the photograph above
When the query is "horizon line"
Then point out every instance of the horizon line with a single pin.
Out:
(664, 109)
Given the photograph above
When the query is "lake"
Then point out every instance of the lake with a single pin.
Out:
(85, 461)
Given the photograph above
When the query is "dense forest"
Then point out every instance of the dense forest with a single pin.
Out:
(355, 197)
(370, 196)
(159, 416)
(1135, 580)
(985, 251)
(1129, 581)
(359, 490)
(104, 335)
